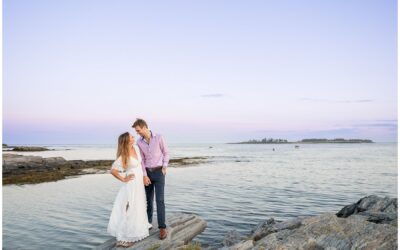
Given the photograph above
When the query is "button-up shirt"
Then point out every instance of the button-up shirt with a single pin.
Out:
(155, 153)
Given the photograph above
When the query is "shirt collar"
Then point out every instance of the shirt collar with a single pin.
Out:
(151, 135)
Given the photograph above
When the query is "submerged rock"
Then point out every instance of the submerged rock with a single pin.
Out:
(232, 237)
(186, 161)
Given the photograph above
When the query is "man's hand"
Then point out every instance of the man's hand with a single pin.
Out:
(164, 171)
(146, 180)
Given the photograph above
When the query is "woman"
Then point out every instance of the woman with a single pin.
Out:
(128, 220)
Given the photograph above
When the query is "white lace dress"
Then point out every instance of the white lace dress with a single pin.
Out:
(132, 224)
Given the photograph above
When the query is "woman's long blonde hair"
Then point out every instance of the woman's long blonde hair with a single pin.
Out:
(123, 148)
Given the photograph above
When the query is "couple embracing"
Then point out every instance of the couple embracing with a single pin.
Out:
(142, 169)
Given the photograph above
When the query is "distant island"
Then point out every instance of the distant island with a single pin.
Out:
(312, 140)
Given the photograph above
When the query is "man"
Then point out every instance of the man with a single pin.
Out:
(155, 160)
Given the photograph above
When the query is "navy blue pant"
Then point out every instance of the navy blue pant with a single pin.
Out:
(157, 179)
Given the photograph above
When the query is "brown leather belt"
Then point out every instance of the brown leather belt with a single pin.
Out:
(154, 169)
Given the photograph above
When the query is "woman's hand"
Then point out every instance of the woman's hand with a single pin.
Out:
(128, 178)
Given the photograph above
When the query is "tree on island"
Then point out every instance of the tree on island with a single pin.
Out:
(266, 141)
(310, 140)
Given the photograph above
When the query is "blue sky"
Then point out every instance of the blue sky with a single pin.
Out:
(199, 71)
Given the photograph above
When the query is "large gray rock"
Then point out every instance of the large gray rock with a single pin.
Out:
(327, 231)
(373, 208)
(234, 241)
(271, 226)
(370, 223)
(182, 228)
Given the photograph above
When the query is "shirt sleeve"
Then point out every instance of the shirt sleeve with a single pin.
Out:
(165, 151)
(142, 162)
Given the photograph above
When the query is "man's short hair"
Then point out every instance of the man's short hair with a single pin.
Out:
(139, 122)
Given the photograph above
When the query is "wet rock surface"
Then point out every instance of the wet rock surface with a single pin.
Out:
(370, 223)
(181, 228)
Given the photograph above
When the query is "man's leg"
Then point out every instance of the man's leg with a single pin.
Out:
(159, 186)
(150, 198)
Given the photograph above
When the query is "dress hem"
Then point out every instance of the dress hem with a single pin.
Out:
(131, 239)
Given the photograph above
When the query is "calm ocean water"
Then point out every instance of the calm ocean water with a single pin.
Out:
(240, 186)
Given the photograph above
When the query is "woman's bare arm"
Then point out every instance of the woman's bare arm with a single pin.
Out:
(116, 174)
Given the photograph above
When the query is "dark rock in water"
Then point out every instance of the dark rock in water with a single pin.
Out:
(24, 169)
(371, 223)
(21, 169)
(29, 149)
(13, 163)
(373, 208)
(16, 164)
(6, 147)
(187, 161)
(370, 203)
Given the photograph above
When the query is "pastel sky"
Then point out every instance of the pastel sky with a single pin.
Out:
(199, 71)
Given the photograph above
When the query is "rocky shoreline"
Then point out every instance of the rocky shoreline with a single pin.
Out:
(24, 148)
(22, 169)
(370, 223)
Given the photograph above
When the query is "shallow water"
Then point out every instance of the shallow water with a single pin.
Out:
(240, 186)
